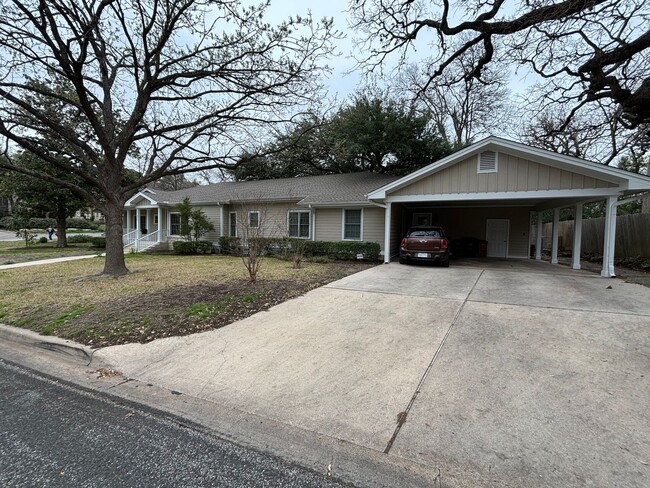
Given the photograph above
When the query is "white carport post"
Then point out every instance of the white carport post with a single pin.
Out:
(538, 242)
(160, 222)
(387, 215)
(556, 235)
(609, 243)
(577, 237)
(221, 220)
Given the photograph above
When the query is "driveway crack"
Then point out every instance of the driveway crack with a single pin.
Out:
(402, 416)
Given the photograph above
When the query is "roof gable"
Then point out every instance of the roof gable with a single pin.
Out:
(566, 165)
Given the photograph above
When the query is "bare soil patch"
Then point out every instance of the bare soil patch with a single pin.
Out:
(162, 297)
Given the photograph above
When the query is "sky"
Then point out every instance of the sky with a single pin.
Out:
(342, 83)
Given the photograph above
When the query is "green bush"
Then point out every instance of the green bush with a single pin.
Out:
(79, 239)
(192, 247)
(343, 250)
(229, 245)
(41, 223)
(99, 242)
(75, 223)
(9, 222)
(43, 240)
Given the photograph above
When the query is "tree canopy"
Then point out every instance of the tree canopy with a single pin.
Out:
(160, 87)
(584, 51)
(380, 135)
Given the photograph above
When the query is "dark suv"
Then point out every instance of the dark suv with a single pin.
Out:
(425, 243)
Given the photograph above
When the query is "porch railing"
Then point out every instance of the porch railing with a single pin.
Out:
(144, 242)
(130, 237)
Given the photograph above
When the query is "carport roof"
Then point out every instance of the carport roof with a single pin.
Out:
(623, 181)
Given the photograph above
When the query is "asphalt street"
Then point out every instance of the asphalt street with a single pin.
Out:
(54, 434)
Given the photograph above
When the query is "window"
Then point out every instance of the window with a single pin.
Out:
(352, 224)
(175, 224)
(233, 224)
(254, 219)
(487, 162)
(155, 219)
(299, 224)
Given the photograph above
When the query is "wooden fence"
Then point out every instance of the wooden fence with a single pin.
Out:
(632, 235)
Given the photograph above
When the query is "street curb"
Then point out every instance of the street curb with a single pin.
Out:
(65, 349)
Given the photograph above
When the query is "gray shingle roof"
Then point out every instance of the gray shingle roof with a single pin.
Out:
(323, 189)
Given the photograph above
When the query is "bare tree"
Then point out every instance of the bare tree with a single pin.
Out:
(256, 228)
(584, 50)
(462, 108)
(165, 87)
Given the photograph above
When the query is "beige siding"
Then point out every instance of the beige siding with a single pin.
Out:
(513, 174)
(329, 224)
(213, 213)
(373, 225)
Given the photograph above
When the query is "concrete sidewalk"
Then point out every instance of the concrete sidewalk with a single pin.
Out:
(39, 262)
(483, 374)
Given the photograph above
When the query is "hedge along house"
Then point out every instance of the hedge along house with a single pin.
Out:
(324, 208)
(491, 189)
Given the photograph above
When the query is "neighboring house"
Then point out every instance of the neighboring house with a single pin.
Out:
(488, 190)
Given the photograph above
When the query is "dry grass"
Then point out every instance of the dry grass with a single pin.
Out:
(64, 298)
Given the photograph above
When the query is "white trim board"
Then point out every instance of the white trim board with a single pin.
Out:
(513, 195)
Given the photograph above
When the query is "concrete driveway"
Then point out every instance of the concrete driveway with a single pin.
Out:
(506, 373)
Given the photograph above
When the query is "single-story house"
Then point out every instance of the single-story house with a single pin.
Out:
(489, 190)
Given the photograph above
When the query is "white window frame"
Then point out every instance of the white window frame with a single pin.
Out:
(258, 219)
(169, 218)
(343, 212)
(230, 214)
(308, 237)
(496, 163)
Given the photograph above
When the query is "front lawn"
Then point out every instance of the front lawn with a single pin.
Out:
(163, 296)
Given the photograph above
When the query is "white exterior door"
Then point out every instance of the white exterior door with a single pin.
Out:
(497, 237)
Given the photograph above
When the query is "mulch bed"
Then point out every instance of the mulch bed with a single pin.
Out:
(186, 310)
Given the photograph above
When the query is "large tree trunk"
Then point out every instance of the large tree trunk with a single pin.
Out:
(114, 265)
(61, 221)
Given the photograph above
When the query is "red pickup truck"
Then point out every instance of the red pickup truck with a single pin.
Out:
(425, 243)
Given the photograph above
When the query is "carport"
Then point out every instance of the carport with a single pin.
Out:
(493, 190)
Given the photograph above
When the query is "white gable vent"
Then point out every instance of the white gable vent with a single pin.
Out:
(487, 162)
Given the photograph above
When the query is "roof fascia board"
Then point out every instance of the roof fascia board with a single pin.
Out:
(140, 194)
(515, 195)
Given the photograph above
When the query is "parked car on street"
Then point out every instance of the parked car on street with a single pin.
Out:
(425, 243)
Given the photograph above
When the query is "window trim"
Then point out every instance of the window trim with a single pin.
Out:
(169, 218)
(258, 219)
(230, 221)
(488, 171)
(308, 212)
(343, 213)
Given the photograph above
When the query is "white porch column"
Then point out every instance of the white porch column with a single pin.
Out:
(148, 222)
(137, 222)
(387, 222)
(556, 235)
(577, 237)
(538, 242)
(128, 221)
(222, 218)
(609, 243)
(160, 225)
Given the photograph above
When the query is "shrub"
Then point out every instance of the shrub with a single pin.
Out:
(183, 247)
(8, 222)
(75, 223)
(41, 223)
(43, 240)
(99, 242)
(78, 238)
(343, 250)
(192, 247)
(229, 245)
